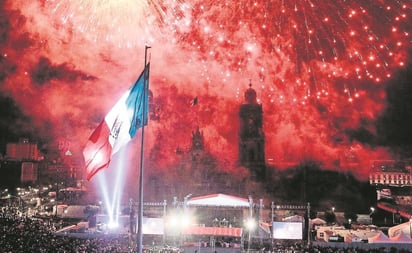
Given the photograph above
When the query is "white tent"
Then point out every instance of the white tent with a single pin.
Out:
(294, 218)
(380, 237)
(317, 221)
(401, 238)
(221, 200)
(401, 228)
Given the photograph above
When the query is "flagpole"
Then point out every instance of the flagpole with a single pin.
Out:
(140, 210)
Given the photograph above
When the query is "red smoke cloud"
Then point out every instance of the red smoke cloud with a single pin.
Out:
(319, 68)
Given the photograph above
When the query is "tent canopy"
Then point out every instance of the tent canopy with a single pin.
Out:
(294, 218)
(318, 221)
(401, 238)
(379, 238)
(220, 200)
(401, 228)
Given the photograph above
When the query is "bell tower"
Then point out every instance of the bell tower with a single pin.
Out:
(251, 136)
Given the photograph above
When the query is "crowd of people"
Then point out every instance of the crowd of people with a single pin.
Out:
(303, 248)
(20, 233)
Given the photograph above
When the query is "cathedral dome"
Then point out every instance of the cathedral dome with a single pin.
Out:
(250, 95)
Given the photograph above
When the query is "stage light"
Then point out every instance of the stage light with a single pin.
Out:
(250, 224)
(113, 225)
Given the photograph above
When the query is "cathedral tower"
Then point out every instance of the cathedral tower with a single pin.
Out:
(198, 145)
(251, 137)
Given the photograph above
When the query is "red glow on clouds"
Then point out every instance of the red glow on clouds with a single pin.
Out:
(319, 69)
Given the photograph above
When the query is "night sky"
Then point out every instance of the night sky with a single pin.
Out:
(334, 77)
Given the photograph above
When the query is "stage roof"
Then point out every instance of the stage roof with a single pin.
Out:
(219, 200)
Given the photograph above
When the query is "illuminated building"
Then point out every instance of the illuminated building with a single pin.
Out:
(390, 173)
(20, 164)
(23, 150)
(24, 163)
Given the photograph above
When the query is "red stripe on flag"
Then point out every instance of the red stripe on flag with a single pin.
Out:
(97, 151)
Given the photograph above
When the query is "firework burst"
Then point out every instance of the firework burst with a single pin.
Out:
(124, 23)
(320, 68)
(296, 50)
(313, 47)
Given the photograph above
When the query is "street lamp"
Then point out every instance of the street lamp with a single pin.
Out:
(371, 213)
